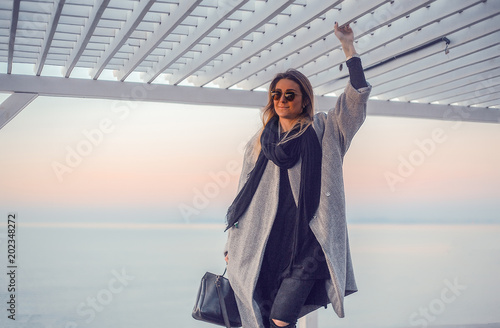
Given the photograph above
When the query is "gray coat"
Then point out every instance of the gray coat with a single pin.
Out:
(246, 243)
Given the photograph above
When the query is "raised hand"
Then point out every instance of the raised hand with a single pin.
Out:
(346, 37)
(344, 33)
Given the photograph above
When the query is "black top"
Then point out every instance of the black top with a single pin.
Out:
(356, 74)
(309, 260)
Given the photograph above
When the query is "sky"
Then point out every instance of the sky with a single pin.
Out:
(91, 160)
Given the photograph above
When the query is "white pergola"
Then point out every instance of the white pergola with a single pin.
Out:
(432, 59)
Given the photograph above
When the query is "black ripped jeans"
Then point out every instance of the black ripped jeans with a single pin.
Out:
(285, 303)
(290, 298)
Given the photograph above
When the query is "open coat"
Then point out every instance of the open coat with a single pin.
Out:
(246, 243)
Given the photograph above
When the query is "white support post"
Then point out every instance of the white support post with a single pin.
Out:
(309, 321)
(13, 105)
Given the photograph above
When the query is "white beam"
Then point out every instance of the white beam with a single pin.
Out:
(447, 91)
(215, 17)
(287, 25)
(478, 96)
(430, 77)
(83, 40)
(436, 112)
(183, 10)
(12, 34)
(11, 106)
(387, 43)
(255, 72)
(130, 91)
(133, 21)
(262, 14)
(493, 103)
(473, 93)
(49, 35)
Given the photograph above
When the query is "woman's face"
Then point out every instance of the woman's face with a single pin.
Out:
(288, 110)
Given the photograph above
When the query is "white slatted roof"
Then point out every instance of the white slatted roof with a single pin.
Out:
(231, 48)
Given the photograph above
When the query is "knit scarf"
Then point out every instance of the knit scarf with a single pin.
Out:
(285, 155)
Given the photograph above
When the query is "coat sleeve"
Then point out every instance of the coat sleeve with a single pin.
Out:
(348, 114)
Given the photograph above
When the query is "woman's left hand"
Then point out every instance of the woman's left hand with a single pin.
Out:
(346, 37)
(344, 33)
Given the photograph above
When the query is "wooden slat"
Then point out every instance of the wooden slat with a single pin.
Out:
(262, 14)
(85, 36)
(215, 17)
(49, 36)
(175, 18)
(12, 36)
(132, 22)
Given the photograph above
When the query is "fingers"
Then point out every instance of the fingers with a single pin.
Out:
(346, 37)
(344, 28)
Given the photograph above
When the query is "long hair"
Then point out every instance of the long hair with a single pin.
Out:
(303, 120)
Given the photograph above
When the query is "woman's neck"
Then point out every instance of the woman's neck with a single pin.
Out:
(286, 125)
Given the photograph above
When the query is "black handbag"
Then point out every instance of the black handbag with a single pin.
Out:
(215, 302)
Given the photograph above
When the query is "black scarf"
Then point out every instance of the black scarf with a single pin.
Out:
(286, 155)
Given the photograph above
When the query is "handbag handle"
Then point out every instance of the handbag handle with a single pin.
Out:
(222, 301)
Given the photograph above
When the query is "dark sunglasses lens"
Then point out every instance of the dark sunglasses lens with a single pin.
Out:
(290, 96)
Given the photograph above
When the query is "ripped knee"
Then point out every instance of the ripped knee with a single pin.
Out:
(280, 324)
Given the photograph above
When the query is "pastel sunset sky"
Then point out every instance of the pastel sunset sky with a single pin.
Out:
(67, 159)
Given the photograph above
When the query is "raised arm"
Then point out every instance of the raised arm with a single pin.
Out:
(346, 38)
(350, 110)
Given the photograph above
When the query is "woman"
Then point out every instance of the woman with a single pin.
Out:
(287, 249)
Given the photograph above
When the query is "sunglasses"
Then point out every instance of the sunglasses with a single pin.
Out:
(289, 95)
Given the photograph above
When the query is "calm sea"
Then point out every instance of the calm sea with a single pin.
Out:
(104, 276)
